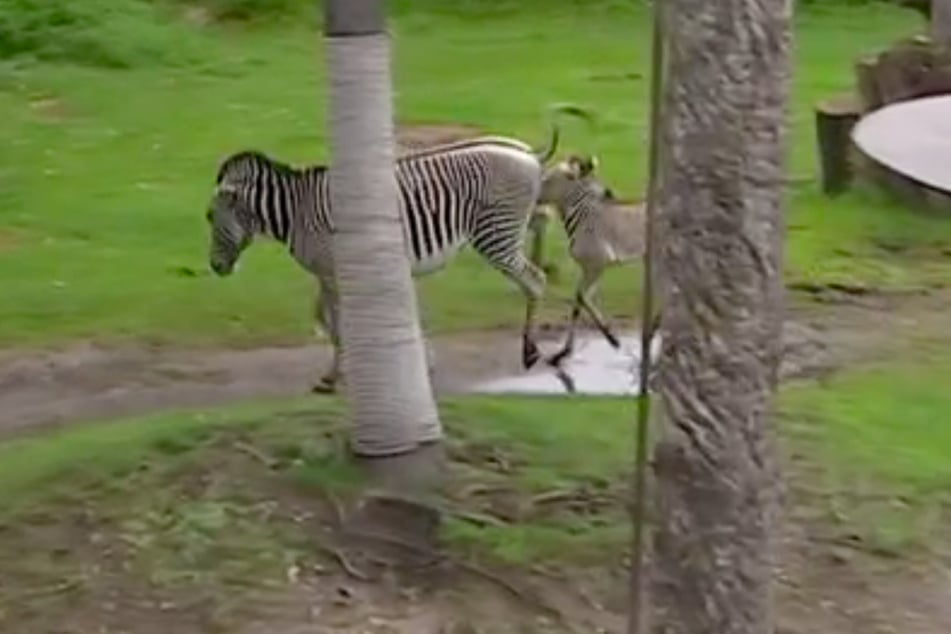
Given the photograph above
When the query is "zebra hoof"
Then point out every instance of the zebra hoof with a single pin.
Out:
(566, 381)
(615, 343)
(530, 354)
(323, 387)
(556, 359)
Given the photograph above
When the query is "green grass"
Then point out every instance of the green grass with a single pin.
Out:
(871, 449)
(139, 477)
(178, 506)
(881, 434)
(549, 451)
(889, 423)
(109, 171)
(96, 453)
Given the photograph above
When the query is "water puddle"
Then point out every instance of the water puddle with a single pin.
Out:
(595, 368)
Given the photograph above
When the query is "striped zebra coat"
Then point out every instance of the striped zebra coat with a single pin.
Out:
(479, 192)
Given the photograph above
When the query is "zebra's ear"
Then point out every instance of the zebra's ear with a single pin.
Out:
(576, 166)
(587, 165)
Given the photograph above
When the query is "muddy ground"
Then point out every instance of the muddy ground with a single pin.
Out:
(824, 587)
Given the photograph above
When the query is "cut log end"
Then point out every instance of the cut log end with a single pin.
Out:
(835, 118)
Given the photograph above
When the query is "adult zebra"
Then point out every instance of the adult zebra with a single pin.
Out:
(478, 191)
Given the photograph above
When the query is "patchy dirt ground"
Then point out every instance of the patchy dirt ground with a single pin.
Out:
(88, 381)
(228, 540)
(825, 585)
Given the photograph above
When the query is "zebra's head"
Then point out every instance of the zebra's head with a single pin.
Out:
(230, 215)
(571, 182)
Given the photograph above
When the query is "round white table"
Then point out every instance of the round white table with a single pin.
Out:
(912, 138)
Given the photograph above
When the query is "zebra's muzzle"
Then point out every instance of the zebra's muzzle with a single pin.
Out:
(222, 268)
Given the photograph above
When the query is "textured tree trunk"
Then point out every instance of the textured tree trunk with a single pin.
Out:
(719, 237)
(394, 413)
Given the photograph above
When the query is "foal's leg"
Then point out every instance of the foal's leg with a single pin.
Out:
(598, 319)
(589, 278)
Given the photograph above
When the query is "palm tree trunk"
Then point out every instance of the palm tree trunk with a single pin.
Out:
(388, 387)
(941, 22)
(719, 237)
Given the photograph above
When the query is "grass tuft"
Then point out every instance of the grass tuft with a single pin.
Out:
(102, 33)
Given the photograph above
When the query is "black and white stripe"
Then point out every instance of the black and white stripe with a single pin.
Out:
(602, 233)
(479, 192)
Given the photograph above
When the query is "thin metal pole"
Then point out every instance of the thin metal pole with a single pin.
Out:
(639, 502)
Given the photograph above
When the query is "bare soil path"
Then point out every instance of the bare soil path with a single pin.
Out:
(87, 381)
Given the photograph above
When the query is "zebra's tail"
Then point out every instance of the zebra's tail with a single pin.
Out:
(561, 109)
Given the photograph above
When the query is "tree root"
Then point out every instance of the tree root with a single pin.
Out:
(433, 558)
(257, 454)
(472, 568)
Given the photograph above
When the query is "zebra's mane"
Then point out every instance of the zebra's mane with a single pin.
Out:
(256, 157)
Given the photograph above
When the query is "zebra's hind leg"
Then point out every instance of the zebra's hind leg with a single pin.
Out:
(599, 321)
(531, 279)
(530, 353)
(499, 238)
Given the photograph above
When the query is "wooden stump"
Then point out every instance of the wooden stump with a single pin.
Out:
(906, 190)
(866, 83)
(910, 69)
(835, 119)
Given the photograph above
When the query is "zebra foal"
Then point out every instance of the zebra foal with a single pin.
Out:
(479, 192)
(602, 233)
